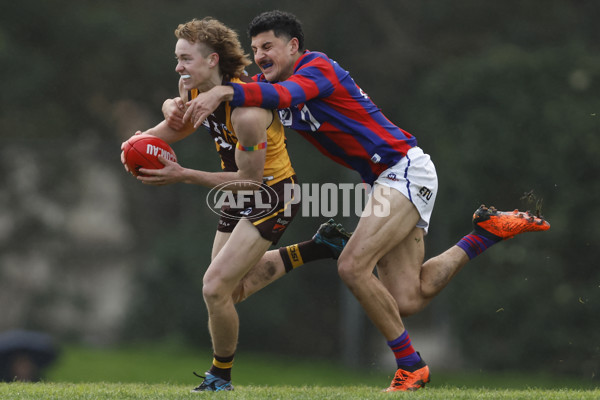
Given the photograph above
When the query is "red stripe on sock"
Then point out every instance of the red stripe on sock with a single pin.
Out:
(405, 353)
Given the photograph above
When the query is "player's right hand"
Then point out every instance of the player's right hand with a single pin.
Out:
(174, 110)
(171, 173)
(198, 109)
(123, 154)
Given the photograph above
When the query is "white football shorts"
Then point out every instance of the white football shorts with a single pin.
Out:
(414, 176)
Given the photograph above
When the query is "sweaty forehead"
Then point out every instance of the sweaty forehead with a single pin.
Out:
(184, 46)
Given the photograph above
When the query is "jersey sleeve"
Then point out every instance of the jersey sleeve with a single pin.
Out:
(313, 79)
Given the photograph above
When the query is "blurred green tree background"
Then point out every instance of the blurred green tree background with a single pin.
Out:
(503, 95)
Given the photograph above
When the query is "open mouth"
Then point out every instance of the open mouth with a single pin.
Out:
(266, 65)
(186, 76)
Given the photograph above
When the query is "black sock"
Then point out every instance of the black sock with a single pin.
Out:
(299, 254)
(221, 367)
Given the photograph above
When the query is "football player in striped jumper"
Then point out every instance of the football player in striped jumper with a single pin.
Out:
(319, 99)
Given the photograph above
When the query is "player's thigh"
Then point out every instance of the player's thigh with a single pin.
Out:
(400, 268)
(238, 255)
(387, 220)
(220, 239)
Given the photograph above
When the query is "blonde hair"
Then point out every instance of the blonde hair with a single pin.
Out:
(219, 39)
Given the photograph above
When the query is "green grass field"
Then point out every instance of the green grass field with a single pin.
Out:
(99, 391)
(166, 373)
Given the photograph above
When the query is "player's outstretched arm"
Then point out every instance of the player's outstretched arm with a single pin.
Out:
(250, 125)
(168, 134)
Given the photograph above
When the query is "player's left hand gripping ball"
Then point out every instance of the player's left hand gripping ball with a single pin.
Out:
(142, 151)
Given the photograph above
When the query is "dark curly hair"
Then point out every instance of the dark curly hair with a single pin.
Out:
(280, 22)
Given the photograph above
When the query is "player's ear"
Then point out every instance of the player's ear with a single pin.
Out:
(294, 45)
(213, 59)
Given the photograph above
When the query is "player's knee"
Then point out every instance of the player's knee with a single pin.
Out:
(348, 271)
(213, 290)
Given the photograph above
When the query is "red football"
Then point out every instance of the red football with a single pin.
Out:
(142, 151)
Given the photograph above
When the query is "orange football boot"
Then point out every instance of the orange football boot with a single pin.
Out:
(406, 381)
(506, 224)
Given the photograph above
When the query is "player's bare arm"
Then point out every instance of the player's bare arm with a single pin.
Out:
(250, 125)
(202, 106)
(173, 111)
(168, 134)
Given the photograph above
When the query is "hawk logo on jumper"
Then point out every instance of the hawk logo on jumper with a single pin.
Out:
(221, 143)
(238, 199)
(217, 127)
(425, 194)
(222, 135)
(392, 177)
